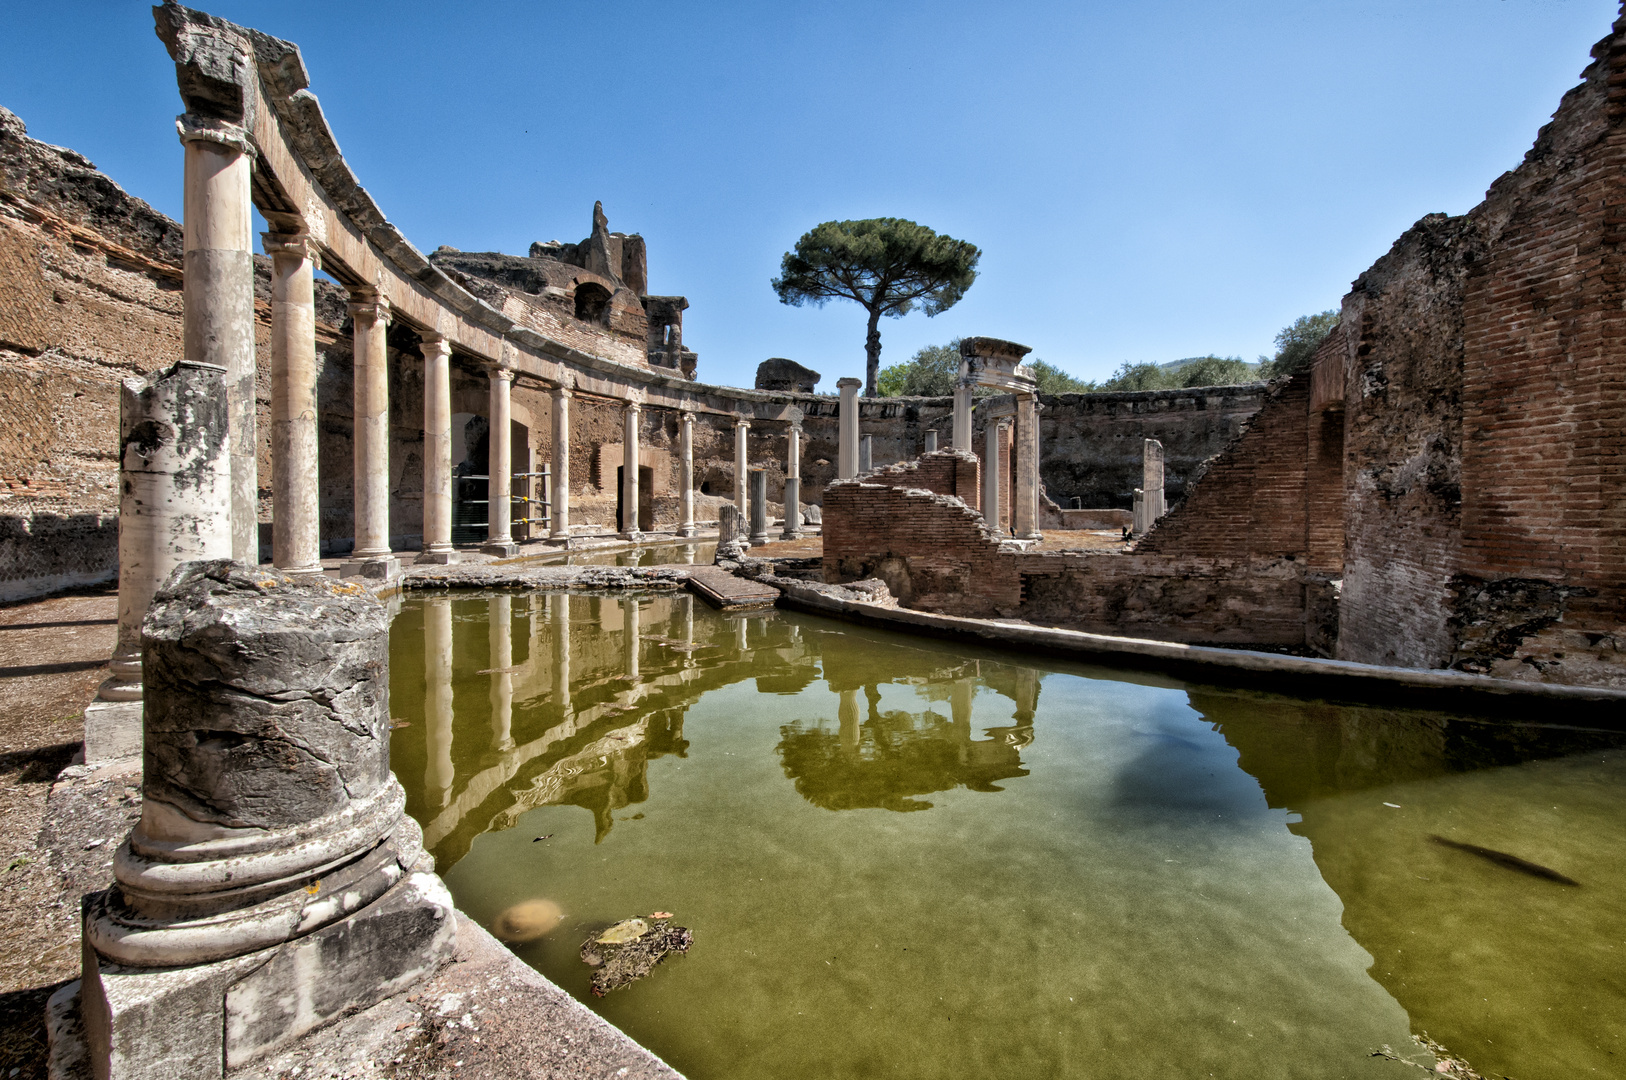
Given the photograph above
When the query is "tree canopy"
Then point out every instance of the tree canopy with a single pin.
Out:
(1197, 371)
(888, 265)
(1297, 342)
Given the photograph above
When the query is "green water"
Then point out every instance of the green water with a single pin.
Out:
(905, 858)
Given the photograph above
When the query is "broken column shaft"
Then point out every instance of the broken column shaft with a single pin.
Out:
(273, 882)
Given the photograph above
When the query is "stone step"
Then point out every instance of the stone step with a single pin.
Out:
(726, 592)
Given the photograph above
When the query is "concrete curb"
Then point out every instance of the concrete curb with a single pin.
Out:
(1298, 675)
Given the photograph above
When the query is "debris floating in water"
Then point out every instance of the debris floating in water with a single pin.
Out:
(527, 921)
(549, 836)
(1511, 862)
(396, 721)
(1392, 805)
(630, 949)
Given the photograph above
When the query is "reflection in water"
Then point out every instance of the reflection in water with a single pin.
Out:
(1114, 878)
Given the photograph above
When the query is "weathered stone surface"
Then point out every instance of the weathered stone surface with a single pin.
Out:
(267, 696)
(731, 533)
(778, 373)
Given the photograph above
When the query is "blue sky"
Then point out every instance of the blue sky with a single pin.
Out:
(1147, 181)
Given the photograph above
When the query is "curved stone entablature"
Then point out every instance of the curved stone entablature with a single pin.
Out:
(233, 76)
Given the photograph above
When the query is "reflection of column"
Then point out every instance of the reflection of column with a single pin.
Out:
(217, 297)
(742, 463)
(1026, 693)
(847, 429)
(759, 507)
(437, 449)
(793, 482)
(629, 630)
(500, 628)
(500, 467)
(560, 510)
(688, 618)
(561, 654)
(960, 698)
(740, 641)
(1025, 492)
(629, 473)
(847, 714)
(370, 314)
(686, 474)
(296, 544)
(992, 436)
(437, 698)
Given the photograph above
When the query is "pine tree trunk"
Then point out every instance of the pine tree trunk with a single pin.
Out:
(872, 353)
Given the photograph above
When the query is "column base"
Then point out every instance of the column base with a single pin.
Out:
(758, 539)
(309, 568)
(791, 534)
(385, 568)
(632, 535)
(503, 549)
(112, 730)
(199, 1021)
(437, 558)
(686, 532)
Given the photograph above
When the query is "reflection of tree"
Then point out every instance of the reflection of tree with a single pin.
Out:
(896, 755)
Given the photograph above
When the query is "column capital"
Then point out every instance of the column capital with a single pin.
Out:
(194, 128)
(500, 374)
(430, 342)
(849, 383)
(742, 422)
(563, 391)
(372, 306)
(634, 408)
(298, 245)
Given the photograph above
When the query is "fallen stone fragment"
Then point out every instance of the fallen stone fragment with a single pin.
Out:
(630, 949)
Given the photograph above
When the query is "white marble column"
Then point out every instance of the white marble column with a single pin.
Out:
(437, 449)
(629, 473)
(217, 296)
(371, 558)
(961, 430)
(559, 527)
(437, 699)
(1025, 492)
(993, 437)
(866, 454)
(847, 429)
(742, 465)
(931, 441)
(500, 467)
(793, 482)
(296, 531)
(1152, 479)
(686, 474)
(500, 638)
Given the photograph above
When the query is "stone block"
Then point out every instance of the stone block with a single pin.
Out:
(112, 731)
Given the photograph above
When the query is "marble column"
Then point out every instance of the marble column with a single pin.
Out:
(866, 454)
(175, 485)
(439, 772)
(500, 468)
(500, 638)
(1025, 492)
(759, 507)
(847, 429)
(993, 437)
(560, 510)
(742, 466)
(1152, 479)
(686, 474)
(437, 449)
(217, 296)
(931, 441)
(629, 473)
(296, 533)
(371, 558)
(793, 482)
(961, 431)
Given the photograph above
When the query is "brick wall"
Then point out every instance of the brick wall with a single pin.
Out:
(1251, 500)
